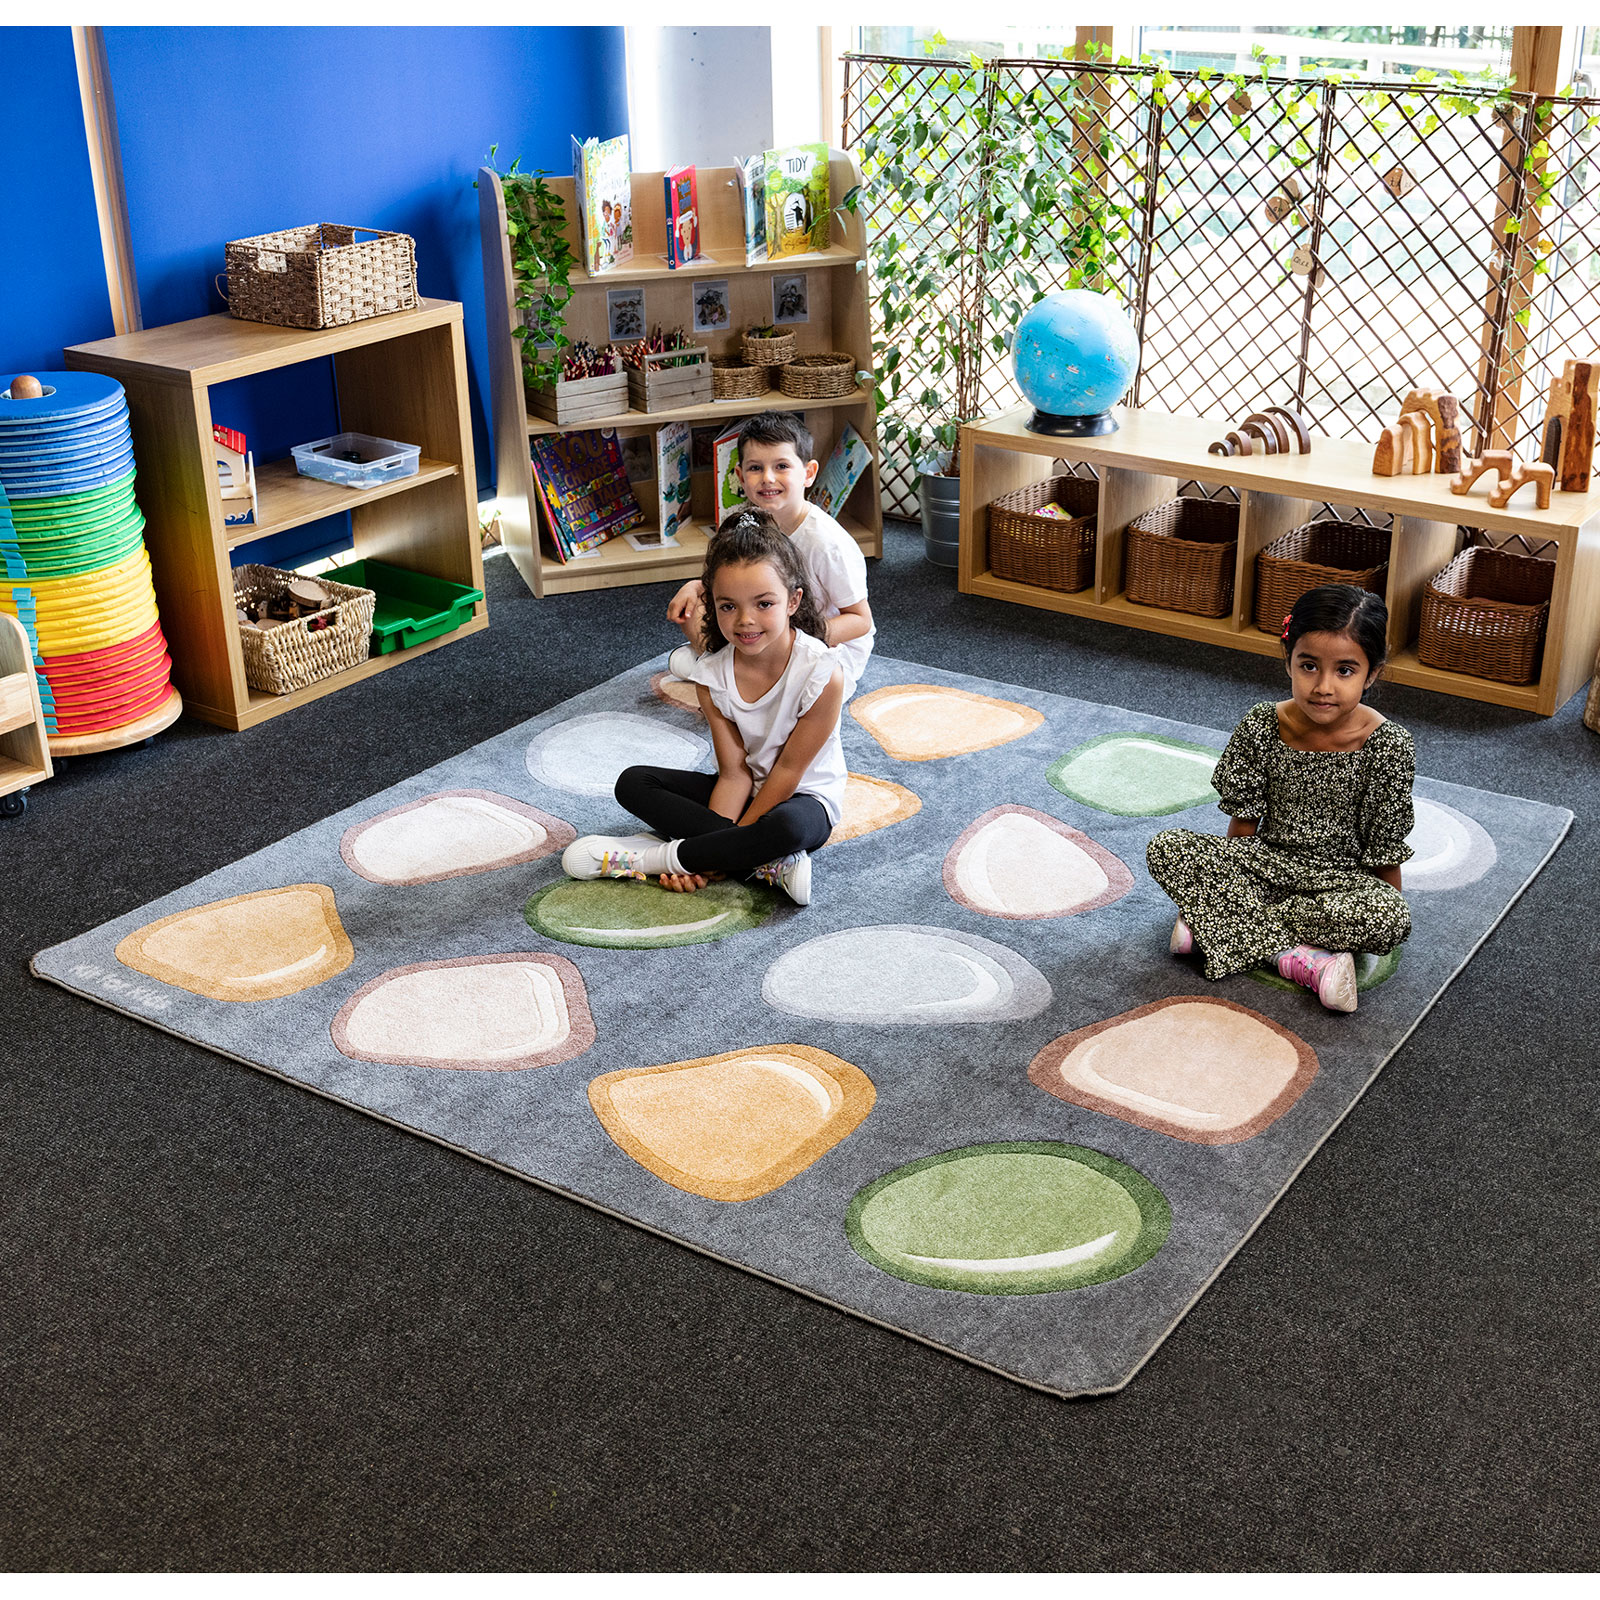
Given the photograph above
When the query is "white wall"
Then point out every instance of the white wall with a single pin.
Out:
(700, 95)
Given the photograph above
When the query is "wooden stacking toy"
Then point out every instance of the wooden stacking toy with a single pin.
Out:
(73, 566)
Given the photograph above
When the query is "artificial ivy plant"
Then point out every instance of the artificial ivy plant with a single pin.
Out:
(541, 266)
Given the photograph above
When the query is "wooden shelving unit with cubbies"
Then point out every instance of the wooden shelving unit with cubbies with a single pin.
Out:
(401, 376)
(836, 282)
(1153, 453)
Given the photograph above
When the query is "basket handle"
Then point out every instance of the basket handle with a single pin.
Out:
(217, 283)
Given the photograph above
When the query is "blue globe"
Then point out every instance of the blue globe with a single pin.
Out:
(1075, 353)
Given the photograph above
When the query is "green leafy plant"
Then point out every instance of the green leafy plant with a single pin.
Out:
(541, 264)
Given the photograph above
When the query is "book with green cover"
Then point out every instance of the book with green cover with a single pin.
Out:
(797, 200)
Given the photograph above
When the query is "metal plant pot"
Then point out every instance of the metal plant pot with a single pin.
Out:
(941, 518)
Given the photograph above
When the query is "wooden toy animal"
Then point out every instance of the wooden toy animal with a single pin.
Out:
(1273, 432)
(1569, 424)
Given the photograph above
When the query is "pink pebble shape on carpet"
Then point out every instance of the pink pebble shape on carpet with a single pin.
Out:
(1025, 865)
(451, 834)
(499, 1013)
(1203, 1070)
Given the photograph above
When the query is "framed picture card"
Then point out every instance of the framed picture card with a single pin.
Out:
(625, 313)
(791, 301)
(712, 310)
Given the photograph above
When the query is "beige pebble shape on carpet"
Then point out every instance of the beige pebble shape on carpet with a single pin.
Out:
(733, 1126)
(258, 946)
(925, 722)
(1203, 1070)
(870, 804)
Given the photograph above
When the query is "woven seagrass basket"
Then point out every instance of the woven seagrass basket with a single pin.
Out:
(819, 377)
(289, 656)
(772, 352)
(1052, 552)
(1485, 615)
(733, 379)
(1311, 555)
(321, 276)
(1179, 556)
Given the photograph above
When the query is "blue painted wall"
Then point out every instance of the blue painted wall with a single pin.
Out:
(229, 132)
(52, 274)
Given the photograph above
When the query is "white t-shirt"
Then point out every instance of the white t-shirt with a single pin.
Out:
(765, 725)
(839, 571)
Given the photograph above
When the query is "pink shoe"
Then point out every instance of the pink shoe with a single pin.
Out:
(1329, 974)
(1182, 941)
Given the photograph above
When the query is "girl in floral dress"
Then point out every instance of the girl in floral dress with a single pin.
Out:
(1318, 788)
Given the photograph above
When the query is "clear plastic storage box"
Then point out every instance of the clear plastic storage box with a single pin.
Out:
(357, 460)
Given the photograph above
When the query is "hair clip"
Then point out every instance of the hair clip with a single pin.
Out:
(1285, 634)
(748, 519)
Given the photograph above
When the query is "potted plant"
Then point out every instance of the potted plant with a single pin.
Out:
(985, 191)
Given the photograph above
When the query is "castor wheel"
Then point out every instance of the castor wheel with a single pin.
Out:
(148, 740)
(13, 805)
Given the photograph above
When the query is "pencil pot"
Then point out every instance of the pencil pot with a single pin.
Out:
(669, 379)
(1180, 556)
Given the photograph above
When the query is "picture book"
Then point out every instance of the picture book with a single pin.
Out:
(752, 174)
(797, 200)
(672, 477)
(605, 201)
(730, 490)
(584, 489)
(683, 216)
(842, 472)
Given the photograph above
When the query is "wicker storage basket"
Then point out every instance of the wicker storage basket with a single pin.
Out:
(1180, 556)
(1053, 552)
(290, 656)
(759, 352)
(820, 377)
(1485, 615)
(321, 276)
(732, 379)
(1313, 554)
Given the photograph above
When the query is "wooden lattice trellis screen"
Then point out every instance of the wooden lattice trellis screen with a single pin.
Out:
(1474, 265)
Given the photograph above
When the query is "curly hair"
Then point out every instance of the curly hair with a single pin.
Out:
(746, 537)
(1341, 608)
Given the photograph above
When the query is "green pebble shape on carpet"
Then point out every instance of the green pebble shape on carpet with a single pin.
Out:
(1136, 774)
(969, 1219)
(1371, 970)
(625, 914)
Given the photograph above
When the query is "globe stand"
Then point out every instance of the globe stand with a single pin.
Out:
(1055, 426)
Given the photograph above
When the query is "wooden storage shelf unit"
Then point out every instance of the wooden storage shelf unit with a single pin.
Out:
(24, 743)
(1153, 453)
(401, 376)
(836, 282)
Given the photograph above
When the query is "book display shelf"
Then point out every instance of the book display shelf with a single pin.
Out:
(400, 376)
(838, 320)
(1153, 453)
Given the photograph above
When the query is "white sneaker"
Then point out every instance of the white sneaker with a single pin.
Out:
(596, 855)
(792, 874)
(681, 661)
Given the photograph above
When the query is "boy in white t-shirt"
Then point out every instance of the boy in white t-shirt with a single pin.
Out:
(776, 466)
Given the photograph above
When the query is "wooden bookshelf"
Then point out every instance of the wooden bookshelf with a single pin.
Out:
(836, 282)
(1153, 453)
(401, 376)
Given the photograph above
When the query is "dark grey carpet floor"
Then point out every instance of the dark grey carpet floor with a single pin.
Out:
(241, 1327)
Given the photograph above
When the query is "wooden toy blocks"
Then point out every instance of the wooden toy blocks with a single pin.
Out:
(1569, 425)
(1510, 475)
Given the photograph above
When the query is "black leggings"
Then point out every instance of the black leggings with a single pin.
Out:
(675, 805)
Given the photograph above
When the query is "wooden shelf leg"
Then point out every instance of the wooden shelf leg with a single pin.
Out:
(985, 474)
(1124, 494)
(1418, 549)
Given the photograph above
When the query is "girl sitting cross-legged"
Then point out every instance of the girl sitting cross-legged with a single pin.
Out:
(771, 691)
(1318, 788)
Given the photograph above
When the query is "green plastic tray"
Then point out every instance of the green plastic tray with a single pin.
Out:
(412, 607)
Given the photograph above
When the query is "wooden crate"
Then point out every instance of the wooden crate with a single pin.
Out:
(656, 387)
(580, 399)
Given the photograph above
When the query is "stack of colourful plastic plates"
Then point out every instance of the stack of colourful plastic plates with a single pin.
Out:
(73, 566)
